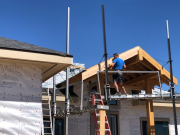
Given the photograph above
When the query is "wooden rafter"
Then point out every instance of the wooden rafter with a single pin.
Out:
(139, 79)
(142, 67)
(148, 65)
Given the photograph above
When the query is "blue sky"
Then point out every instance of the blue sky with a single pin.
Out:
(129, 23)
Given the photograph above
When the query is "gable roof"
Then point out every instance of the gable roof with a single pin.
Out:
(10, 44)
(136, 59)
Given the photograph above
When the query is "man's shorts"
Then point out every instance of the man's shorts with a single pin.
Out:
(118, 78)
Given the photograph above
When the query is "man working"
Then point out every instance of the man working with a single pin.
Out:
(118, 64)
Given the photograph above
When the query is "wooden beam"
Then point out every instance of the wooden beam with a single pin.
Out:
(149, 109)
(77, 67)
(167, 75)
(141, 78)
(101, 79)
(164, 80)
(133, 75)
(142, 67)
(133, 60)
(149, 65)
(73, 79)
(127, 76)
(102, 122)
(130, 87)
(135, 68)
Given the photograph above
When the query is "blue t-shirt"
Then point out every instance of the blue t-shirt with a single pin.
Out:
(118, 64)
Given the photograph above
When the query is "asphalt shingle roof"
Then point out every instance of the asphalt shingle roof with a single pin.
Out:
(10, 44)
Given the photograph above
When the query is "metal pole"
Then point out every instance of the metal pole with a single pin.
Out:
(160, 85)
(54, 102)
(172, 83)
(99, 83)
(106, 69)
(67, 73)
(81, 107)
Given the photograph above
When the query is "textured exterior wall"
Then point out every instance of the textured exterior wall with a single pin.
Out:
(80, 125)
(129, 117)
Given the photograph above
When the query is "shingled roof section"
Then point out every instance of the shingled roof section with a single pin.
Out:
(10, 44)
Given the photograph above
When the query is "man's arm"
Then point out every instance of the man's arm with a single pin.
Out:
(112, 65)
(124, 65)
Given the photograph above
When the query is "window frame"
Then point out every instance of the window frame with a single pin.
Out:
(64, 122)
(155, 119)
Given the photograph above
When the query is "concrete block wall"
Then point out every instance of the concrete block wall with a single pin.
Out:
(129, 117)
(80, 125)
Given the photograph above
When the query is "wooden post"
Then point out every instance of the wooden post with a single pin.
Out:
(101, 81)
(149, 109)
(102, 122)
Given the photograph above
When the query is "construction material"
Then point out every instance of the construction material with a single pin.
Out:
(149, 109)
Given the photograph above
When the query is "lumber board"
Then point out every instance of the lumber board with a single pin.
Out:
(139, 79)
(149, 109)
(102, 122)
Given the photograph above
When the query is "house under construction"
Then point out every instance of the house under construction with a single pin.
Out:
(134, 114)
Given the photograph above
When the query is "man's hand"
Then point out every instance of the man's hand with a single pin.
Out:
(124, 66)
(109, 67)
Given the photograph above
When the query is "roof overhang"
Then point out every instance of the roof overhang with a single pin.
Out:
(51, 64)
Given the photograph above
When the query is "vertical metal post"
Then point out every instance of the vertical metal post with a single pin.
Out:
(106, 69)
(67, 73)
(54, 102)
(160, 84)
(172, 83)
(99, 83)
(81, 107)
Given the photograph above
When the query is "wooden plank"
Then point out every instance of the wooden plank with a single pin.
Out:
(73, 79)
(127, 76)
(142, 67)
(130, 87)
(77, 67)
(141, 78)
(167, 74)
(135, 68)
(133, 60)
(102, 122)
(149, 109)
(164, 80)
(133, 75)
(149, 65)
